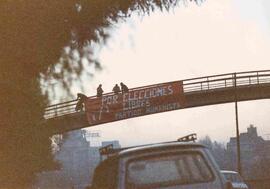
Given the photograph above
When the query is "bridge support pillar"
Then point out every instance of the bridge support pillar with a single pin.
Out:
(239, 167)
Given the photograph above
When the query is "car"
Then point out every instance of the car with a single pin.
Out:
(235, 180)
(167, 165)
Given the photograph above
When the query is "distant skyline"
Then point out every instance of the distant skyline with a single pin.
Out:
(214, 38)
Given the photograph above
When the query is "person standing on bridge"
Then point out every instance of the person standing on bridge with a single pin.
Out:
(81, 100)
(99, 91)
(124, 88)
(116, 89)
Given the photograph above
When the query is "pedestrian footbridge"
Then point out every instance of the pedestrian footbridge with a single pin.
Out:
(201, 91)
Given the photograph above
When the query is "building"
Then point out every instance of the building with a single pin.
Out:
(254, 151)
(78, 160)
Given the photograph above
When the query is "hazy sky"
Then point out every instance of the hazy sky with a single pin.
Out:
(216, 37)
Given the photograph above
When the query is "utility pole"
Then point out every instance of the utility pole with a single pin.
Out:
(239, 167)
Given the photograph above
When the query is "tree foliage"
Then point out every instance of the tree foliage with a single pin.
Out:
(219, 152)
(33, 36)
(255, 162)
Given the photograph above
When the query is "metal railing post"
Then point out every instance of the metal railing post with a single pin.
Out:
(234, 79)
(258, 80)
(207, 83)
(55, 111)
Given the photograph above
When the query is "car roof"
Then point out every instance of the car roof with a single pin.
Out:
(158, 146)
(228, 171)
(120, 152)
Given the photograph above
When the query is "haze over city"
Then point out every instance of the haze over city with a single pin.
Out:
(214, 38)
(180, 66)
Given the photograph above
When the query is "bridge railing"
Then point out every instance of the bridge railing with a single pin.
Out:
(199, 84)
(226, 80)
(60, 109)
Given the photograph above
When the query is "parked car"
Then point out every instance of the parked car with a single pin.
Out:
(168, 165)
(234, 179)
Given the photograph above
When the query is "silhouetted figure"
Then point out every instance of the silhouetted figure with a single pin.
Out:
(81, 99)
(116, 89)
(124, 88)
(99, 91)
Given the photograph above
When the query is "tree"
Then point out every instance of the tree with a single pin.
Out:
(33, 35)
(219, 152)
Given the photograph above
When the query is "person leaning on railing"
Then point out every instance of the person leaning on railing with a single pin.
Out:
(116, 89)
(99, 91)
(81, 99)
(124, 88)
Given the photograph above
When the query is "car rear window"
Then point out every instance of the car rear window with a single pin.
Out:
(168, 170)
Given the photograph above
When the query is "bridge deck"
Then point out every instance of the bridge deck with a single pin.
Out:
(201, 91)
